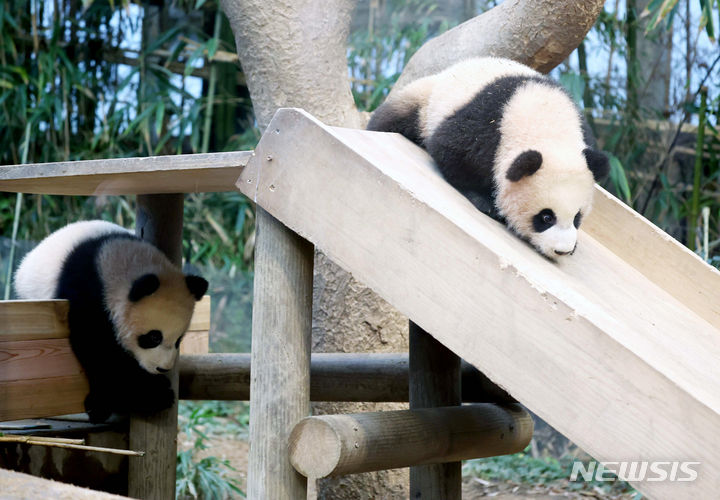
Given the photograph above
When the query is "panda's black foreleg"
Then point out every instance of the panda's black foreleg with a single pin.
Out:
(148, 394)
(98, 405)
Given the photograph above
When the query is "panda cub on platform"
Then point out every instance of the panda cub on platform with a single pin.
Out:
(510, 140)
(129, 308)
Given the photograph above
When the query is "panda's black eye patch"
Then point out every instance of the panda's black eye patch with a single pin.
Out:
(577, 220)
(151, 339)
(543, 220)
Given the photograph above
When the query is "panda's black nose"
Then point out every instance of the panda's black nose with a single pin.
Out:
(558, 252)
(162, 370)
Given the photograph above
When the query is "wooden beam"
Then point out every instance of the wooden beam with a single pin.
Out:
(376, 377)
(280, 384)
(616, 361)
(19, 485)
(33, 320)
(43, 397)
(649, 250)
(434, 382)
(197, 173)
(47, 319)
(334, 445)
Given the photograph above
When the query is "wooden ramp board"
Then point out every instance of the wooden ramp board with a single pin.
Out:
(39, 374)
(617, 346)
(19, 486)
(198, 173)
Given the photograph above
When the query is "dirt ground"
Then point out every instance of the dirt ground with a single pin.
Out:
(236, 452)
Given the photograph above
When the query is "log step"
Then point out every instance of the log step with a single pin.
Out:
(334, 445)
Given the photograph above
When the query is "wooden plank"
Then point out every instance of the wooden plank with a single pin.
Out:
(33, 320)
(434, 381)
(334, 445)
(200, 320)
(211, 172)
(47, 319)
(16, 485)
(353, 377)
(648, 249)
(195, 342)
(280, 383)
(37, 398)
(47, 358)
(617, 363)
(33, 359)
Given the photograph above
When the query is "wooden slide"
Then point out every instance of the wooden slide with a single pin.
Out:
(617, 347)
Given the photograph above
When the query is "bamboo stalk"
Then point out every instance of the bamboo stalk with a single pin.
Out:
(697, 177)
(58, 443)
(211, 91)
(25, 439)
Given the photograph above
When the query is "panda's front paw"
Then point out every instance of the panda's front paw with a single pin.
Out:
(157, 395)
(97, 409)
(166, 399)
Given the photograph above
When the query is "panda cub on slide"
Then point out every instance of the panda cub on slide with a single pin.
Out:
(510, 140)
(129, 308)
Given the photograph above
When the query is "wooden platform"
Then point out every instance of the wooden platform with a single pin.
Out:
(617, 347)
(39, 374)
(213, 172)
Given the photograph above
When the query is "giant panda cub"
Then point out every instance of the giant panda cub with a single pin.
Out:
(510, 140)
(129, 308)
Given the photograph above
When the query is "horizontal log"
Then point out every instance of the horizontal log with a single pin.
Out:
(333, 445)
(333, 377)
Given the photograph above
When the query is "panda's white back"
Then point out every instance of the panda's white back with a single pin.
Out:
(38, 274)
(466, 79)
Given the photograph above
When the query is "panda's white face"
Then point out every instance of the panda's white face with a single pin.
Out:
(156, 324)
(547, 205)
(152, 311)
(554, 238)
(544, 171)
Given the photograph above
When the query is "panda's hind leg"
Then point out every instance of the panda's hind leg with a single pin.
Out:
(404, 120)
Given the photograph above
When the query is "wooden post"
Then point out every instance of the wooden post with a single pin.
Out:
(280, 381)
(159, 221)
(434, 381)
(334, 445)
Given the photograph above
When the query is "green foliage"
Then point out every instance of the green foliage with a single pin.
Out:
(207, 478)
(574, 83)
(663, 12)
(206, 419)
(204, 479)
(378, 54)
(523, 468)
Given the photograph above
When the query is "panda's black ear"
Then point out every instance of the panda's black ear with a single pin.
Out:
(145, 285)
(598, 163)
(527, 163)
(197, 285)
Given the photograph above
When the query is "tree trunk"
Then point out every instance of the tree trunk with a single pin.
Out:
(539, 33)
